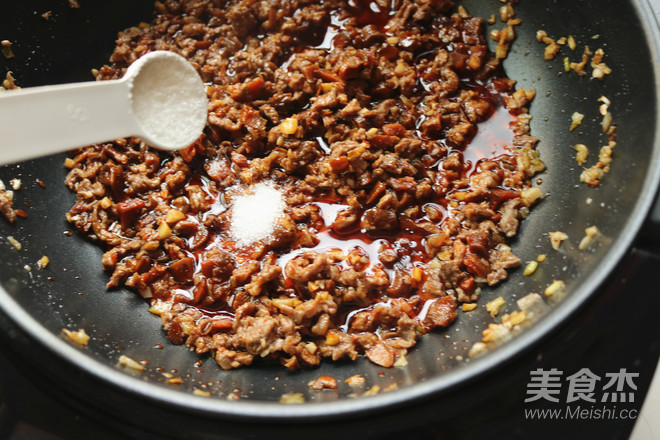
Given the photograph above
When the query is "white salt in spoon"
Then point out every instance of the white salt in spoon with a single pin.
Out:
(161, 99)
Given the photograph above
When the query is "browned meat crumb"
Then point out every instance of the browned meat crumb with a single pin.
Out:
(367, 138)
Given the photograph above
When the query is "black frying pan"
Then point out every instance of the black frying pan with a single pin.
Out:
(70, 292)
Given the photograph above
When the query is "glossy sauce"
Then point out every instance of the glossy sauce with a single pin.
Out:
(368, 12)
(492, 138)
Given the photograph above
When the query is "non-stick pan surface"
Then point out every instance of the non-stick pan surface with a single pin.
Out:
(37, 304)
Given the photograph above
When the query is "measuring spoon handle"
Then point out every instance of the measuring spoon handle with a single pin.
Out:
(45, 120)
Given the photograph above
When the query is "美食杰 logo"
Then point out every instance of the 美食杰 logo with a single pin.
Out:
(587, 395)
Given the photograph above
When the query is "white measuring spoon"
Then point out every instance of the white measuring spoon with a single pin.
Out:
(161, 99)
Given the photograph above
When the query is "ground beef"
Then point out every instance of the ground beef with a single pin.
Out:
(368, 110)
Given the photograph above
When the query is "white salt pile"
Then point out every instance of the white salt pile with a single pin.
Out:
(169, 100)
(254, 215)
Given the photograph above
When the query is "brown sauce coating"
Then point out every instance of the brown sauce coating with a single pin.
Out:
(399, 146)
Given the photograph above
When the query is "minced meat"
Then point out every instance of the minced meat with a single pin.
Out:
(363, 114)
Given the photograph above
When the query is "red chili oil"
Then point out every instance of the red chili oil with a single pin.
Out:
(491, 139)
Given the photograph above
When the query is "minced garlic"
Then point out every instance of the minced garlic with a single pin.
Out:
(554, 288)
(164, 231)
(356, 380)
(105, 202)
(43, 262)
(493, 307)
(17, 244)
(531, 195)
(571, 42)
(515, 318)
(530, 268)
(495, 333)
(289, 126)
(6, 49)
(79, 336)
(600, 69)
(372, 391)
(590, 232)
(292, 398)
(576, 120)
(582, 152)
(126, 362)
(556, 238)
(478, 349)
